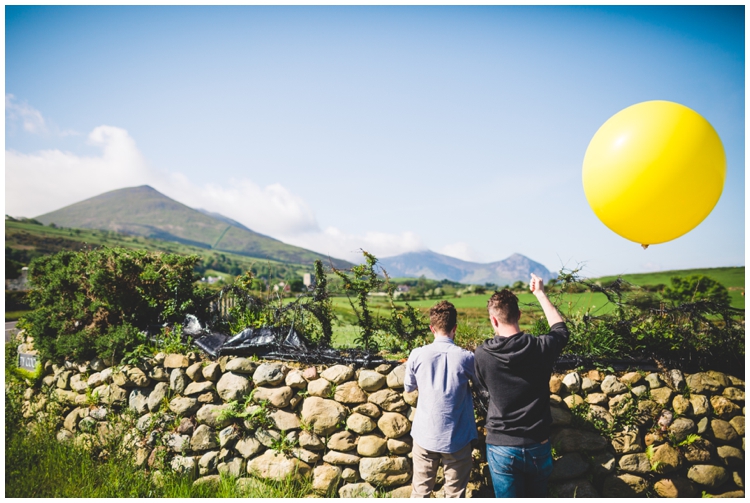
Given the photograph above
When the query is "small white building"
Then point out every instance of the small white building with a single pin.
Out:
(21, 283)
(281, 286)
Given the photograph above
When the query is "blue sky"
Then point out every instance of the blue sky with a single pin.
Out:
(458, 129)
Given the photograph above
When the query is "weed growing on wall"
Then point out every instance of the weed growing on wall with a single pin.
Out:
(358, 283)
(401, 331)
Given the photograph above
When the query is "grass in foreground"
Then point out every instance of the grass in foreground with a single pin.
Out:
(38, 466)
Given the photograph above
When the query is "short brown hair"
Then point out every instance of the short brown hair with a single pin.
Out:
(503, 305)
(443, 316)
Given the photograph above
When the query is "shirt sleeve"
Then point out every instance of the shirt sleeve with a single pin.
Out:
(553, 343)
(469, 366)
(478, 380)
(410, 378)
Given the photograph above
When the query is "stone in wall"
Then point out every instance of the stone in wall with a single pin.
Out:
(338, 374)
(322, 415)
(357, 490)
(320, 388)
(268, 375)
(385, 471)
(341, 458)
(370, 380)
(395, 378)
(708, 475)
(360, 423)
(275, 466)
(212, 372)
(342, 441)
(350, 393)
(368, 409)
(310, 440)
(325, 478)
(675, 487)
(176, 361)
(388, 400)
(277, 397)
(372, 446)
(625, 486)
(394, 425)
(233, 387)
(296, 379)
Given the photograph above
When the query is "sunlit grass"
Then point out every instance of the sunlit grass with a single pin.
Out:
(38, 466)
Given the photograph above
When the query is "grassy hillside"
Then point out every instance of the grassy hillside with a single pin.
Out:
(727, 276)
(25, 241)
(143, 211)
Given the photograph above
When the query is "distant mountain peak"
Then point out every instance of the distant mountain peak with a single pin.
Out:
(433, 265)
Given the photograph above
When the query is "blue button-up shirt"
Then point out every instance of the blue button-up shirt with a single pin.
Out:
(441, 372)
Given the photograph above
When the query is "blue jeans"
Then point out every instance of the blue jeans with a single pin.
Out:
(520, 471)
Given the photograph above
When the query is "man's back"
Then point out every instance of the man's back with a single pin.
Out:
(441, 371)
(515, 371)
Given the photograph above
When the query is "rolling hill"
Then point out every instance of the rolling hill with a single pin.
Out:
(433, 265)
(143, 211)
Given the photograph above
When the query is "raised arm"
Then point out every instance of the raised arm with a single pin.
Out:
(550, 311)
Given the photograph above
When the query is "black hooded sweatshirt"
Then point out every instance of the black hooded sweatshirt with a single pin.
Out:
(515, 371)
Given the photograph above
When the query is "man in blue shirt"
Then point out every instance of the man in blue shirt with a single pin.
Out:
(444, 426)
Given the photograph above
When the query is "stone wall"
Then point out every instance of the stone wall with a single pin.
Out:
(638, 434)
(666, 434)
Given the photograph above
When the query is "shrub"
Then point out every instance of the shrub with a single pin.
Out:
(91, 303)
(699, 329)
(695, 288)
(402, 330)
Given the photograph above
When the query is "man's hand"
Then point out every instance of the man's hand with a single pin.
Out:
(536, 284)
(550, 311)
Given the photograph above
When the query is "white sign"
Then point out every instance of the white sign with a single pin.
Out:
(27, 362)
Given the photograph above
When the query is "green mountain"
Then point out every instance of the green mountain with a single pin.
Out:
(143, 211)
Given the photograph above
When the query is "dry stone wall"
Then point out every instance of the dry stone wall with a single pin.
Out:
(638, 434)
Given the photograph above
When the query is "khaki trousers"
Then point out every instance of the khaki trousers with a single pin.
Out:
(456, 468)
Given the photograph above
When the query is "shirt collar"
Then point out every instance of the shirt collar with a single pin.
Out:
(440, 338)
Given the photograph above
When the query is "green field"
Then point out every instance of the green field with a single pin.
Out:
(472, 309)
(727, 276)
(733, 278)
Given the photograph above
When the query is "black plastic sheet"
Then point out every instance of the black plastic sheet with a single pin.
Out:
(278, 343)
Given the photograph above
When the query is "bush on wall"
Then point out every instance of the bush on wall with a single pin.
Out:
(96, 302)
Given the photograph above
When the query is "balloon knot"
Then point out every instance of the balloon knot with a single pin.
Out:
(644, 246)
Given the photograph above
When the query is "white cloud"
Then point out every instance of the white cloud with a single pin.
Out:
(271, 210)
(339, 244)
(460, 250)
(30, 118)
(48, 180)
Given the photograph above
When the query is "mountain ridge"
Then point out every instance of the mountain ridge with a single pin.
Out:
(144, 211)
(433, 265)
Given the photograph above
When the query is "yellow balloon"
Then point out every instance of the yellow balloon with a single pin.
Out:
(654, 171)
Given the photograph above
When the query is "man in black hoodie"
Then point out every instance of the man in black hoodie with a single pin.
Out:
(514, 368)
